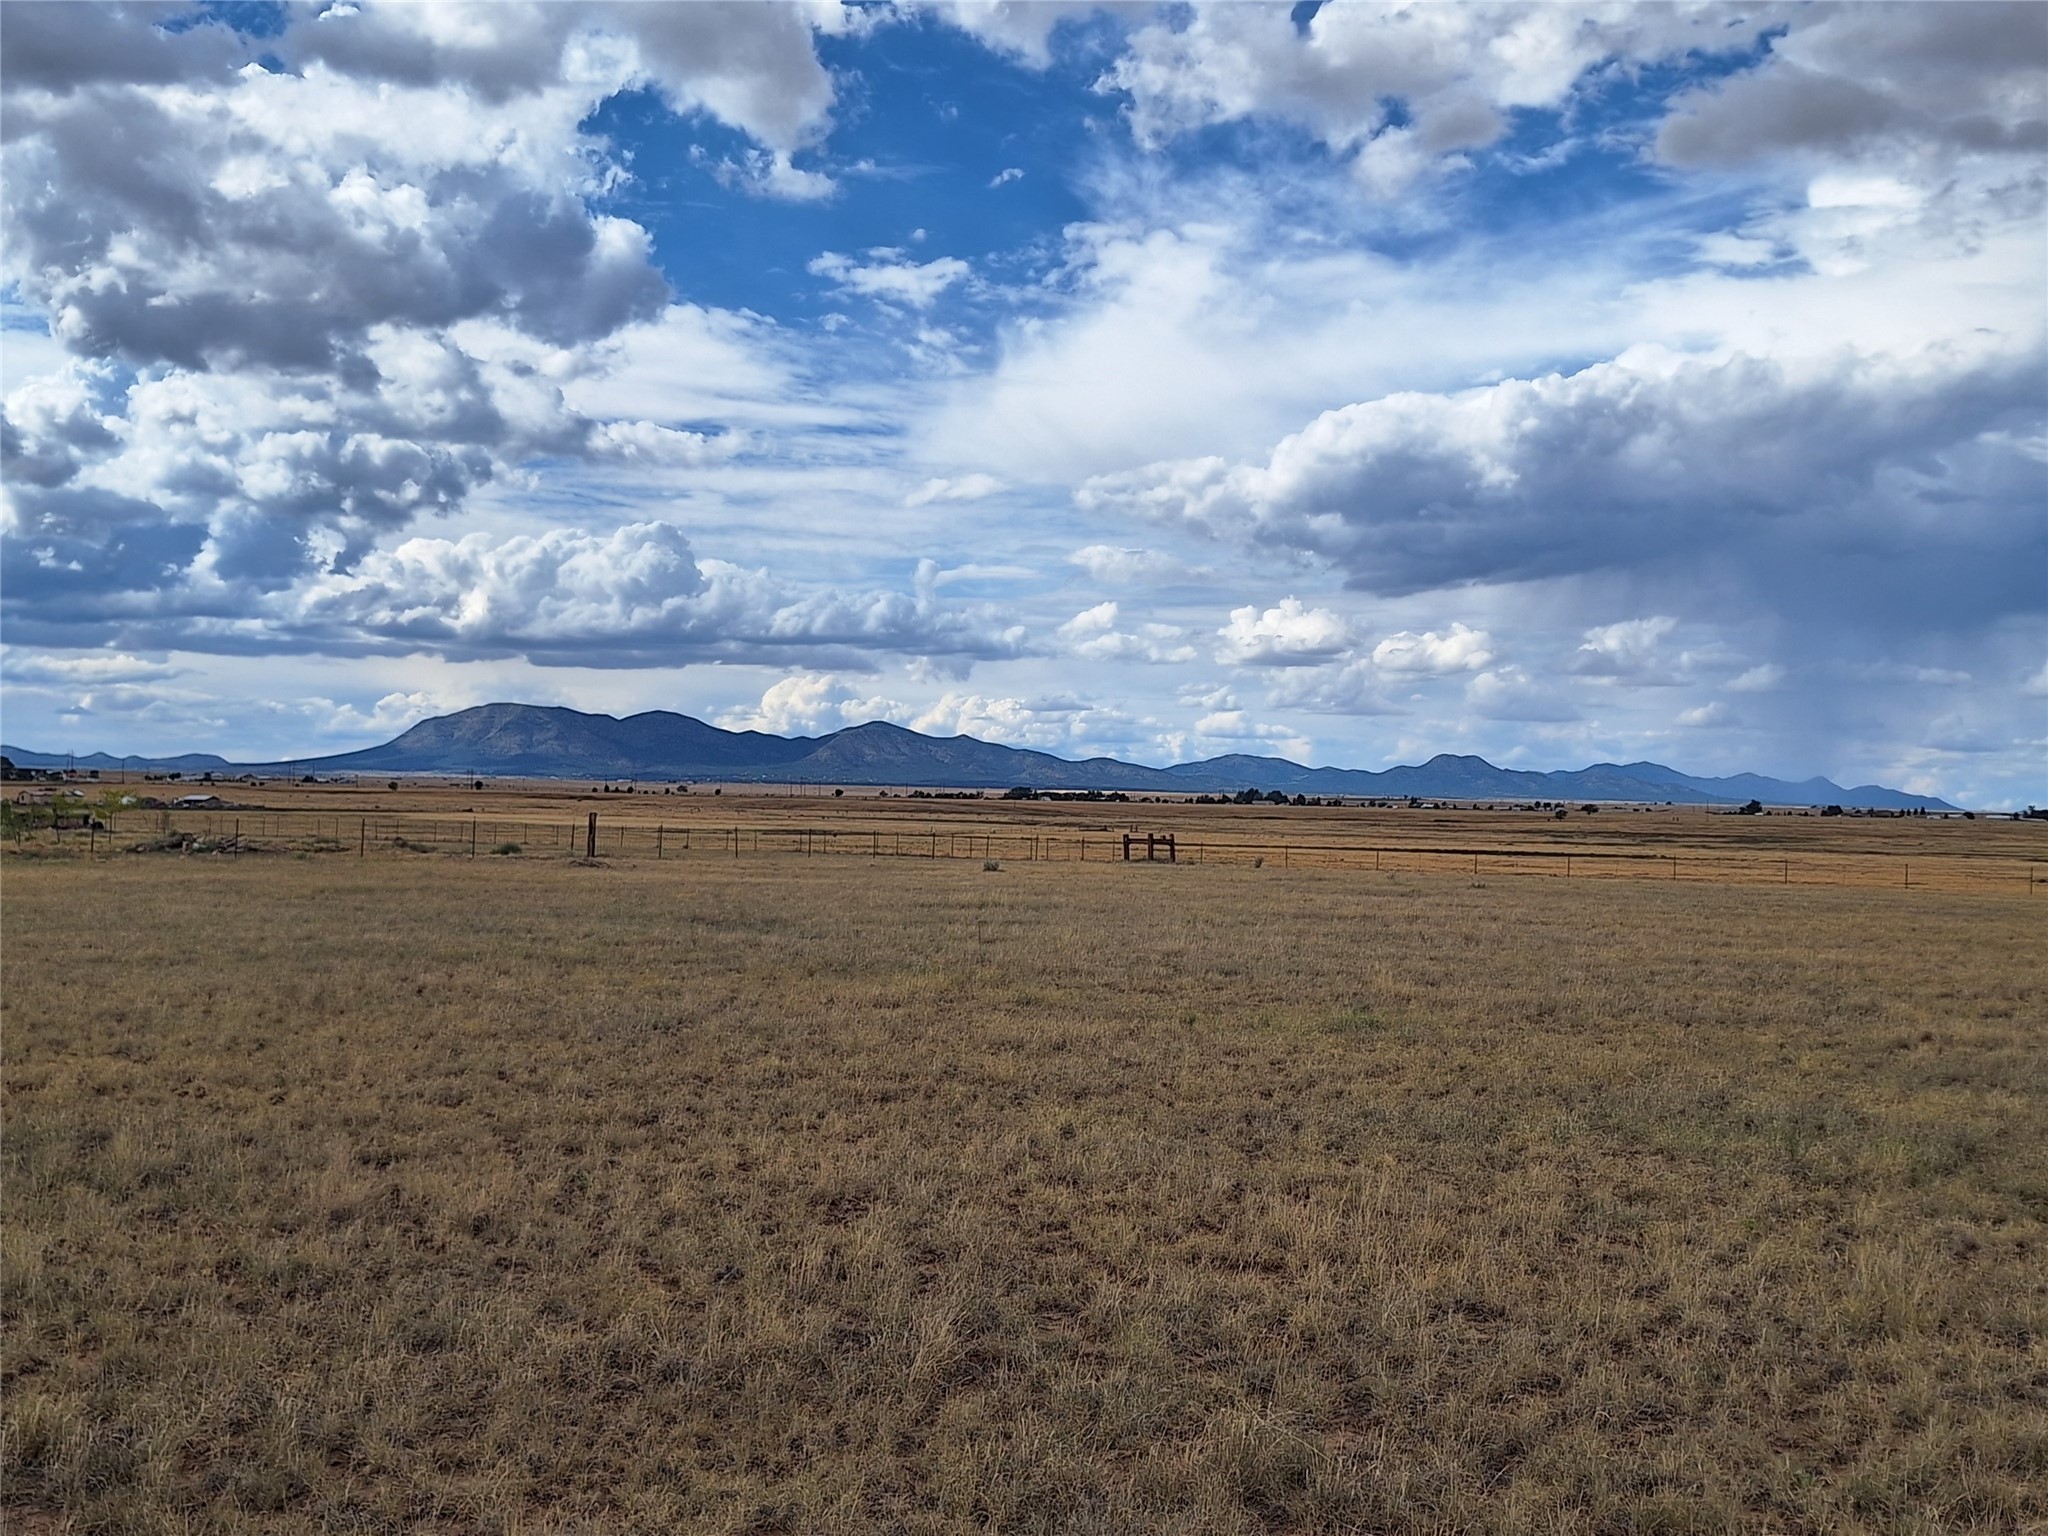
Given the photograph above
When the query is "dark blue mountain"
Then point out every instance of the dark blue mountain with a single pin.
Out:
(532, 741)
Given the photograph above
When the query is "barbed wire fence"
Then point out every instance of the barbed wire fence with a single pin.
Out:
(218, 833)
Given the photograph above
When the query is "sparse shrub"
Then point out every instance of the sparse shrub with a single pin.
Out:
(990, 866)
(506, 848)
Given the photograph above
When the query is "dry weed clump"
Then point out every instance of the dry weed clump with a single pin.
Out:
(821, 1195)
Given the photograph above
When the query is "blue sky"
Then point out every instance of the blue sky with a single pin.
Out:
(1551, 382)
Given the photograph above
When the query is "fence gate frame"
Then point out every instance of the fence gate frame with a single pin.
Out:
(1153, 842)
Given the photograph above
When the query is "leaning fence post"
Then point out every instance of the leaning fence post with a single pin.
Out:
(362, 836)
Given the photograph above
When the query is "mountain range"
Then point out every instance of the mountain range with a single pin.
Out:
(535, 741)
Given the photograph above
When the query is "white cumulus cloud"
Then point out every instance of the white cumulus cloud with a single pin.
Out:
(1629, 649)
(1288, 634)
(1094, 635)
(635, 593)
(1459, 649)
(887, 276)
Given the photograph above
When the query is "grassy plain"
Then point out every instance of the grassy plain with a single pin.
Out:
(1985, 855)
(791, 1194)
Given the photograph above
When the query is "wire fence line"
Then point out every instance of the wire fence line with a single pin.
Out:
(405, 835)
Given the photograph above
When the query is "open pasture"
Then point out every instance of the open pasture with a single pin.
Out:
(859, 1194)
(549, 819)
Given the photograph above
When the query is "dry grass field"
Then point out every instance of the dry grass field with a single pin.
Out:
(1984, 855)
(846, 1195)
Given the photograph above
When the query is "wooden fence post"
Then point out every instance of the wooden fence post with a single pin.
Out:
(590, 837)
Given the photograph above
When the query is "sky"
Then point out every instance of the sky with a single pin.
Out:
(1351, 383)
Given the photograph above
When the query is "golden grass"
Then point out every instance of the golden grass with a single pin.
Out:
(1689, 844)
(852, 1195)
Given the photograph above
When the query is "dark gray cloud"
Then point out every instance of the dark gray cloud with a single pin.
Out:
(1660, 471)
(164, 236)
(59, 45)
(1963, 77)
